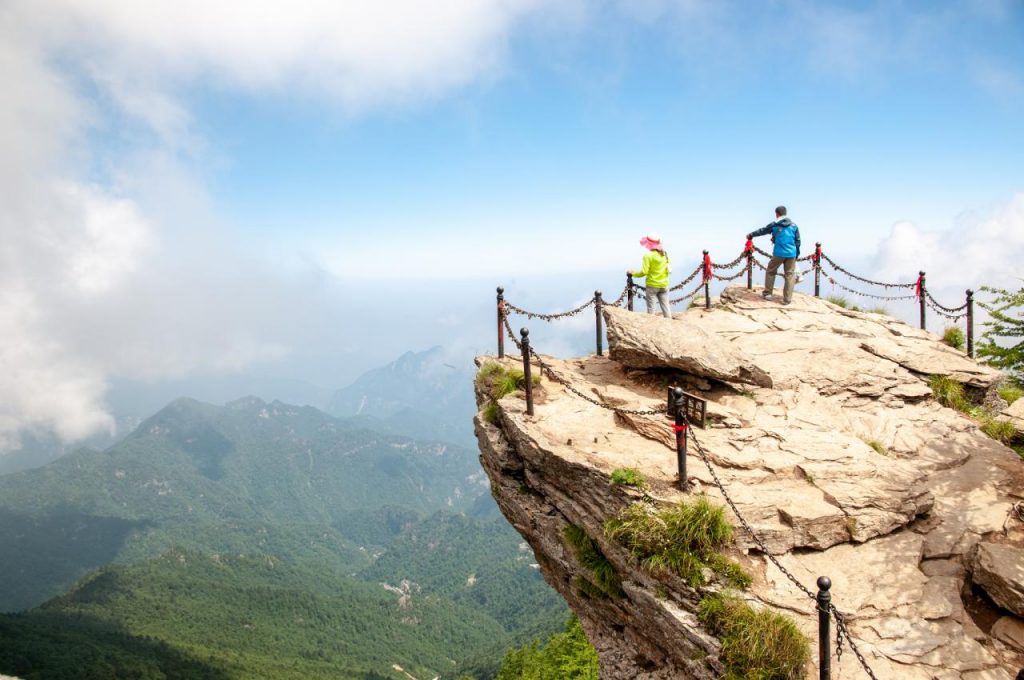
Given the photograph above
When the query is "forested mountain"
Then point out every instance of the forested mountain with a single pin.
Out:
(262, 540)
(426, 395)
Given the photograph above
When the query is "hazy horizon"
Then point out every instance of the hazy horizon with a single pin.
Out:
(197, 195)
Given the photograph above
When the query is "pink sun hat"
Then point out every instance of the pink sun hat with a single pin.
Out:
(652, 241)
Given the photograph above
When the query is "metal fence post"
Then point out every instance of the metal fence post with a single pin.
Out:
(501, 322)
(970, 323)
(527, 374)
(677, 405)
(824, 615)
(817, 270)
(629, 292)
(750, 266)
(707, 284)
(597, 313)
(923, 291)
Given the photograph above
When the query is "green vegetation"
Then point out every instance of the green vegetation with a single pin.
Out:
(490, 412)
(840, 301)
(628, 477)
(683, 539)
(878, 310)
(878, 446)
(566, 656)
(1000, 430)
(954, 337)
(606, 582)
(324, 510)
(497, 381)
(756, 644)
(1010, 392)
(949, 392)
(1003, 339)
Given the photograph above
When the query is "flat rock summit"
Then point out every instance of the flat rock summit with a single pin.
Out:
(823, 430)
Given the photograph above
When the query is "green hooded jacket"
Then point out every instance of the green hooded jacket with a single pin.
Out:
(656, 269)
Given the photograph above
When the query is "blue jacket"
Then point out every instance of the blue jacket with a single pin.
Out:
(785, 236)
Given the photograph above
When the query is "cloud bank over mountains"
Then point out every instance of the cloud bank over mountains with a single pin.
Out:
(115, 262)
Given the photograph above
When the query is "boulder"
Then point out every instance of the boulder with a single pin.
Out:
(999, 570)
(650, 341)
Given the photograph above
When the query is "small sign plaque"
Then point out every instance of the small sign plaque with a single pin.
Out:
(695, 407)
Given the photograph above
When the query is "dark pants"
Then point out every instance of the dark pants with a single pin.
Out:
(790, 276)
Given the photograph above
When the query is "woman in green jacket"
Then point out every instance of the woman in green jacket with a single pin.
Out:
(656, 269)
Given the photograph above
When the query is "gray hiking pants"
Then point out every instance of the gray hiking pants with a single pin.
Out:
(790, 276)
(662, 295)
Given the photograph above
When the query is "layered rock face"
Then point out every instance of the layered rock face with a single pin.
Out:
(822, 429)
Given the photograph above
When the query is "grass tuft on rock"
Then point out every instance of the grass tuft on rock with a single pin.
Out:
(878, 446)
(1010, 392)
(949, 392)
(954, 337)
(681, 539)
(840, 301)
(1000, 430)
(590, 557)
(627, 477)
(497, 381)
(878, 310)
(757, 644)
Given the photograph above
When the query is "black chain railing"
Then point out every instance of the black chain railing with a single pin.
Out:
(691, 277)
(552, 316)
(831, 279)
(842, 632)
(711, 271)
(938, 307)
(862, 279)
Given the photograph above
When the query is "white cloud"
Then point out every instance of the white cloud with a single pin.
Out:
(976, 251)
(113, 263)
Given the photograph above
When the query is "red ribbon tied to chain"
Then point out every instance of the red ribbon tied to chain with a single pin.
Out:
(707, 267)
(917, 288)
(749, 246)
(679, 428)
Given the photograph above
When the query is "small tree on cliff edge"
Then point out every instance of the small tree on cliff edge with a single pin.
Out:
(1006, 323)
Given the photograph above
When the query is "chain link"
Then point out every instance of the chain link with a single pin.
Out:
(693, 274)
(864, 280)
(730, 265)
(549, 317)
(951, 310)
(687, 296)
(735, 276)
(835, 283)
(937, 309)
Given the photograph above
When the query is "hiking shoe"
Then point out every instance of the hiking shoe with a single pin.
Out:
(766, 296)
(784, 303)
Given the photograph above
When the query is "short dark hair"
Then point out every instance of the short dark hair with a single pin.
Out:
(780, 211)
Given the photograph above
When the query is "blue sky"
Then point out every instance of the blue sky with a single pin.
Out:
(198, 188)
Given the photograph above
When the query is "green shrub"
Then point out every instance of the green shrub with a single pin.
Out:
(1010, 392)
(490, 413)
(591, 558)
(1000, 430)
(628, 477)
(954, 337)
(756, 644)
(878, 310)
(949, 392)
(682, 539)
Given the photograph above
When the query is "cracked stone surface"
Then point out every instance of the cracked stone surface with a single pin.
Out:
(999, 569)
(841, 462)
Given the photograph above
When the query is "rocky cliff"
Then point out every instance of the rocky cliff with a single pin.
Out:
(823, 430)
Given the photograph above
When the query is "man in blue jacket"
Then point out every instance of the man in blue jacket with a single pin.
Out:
(786, 237)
